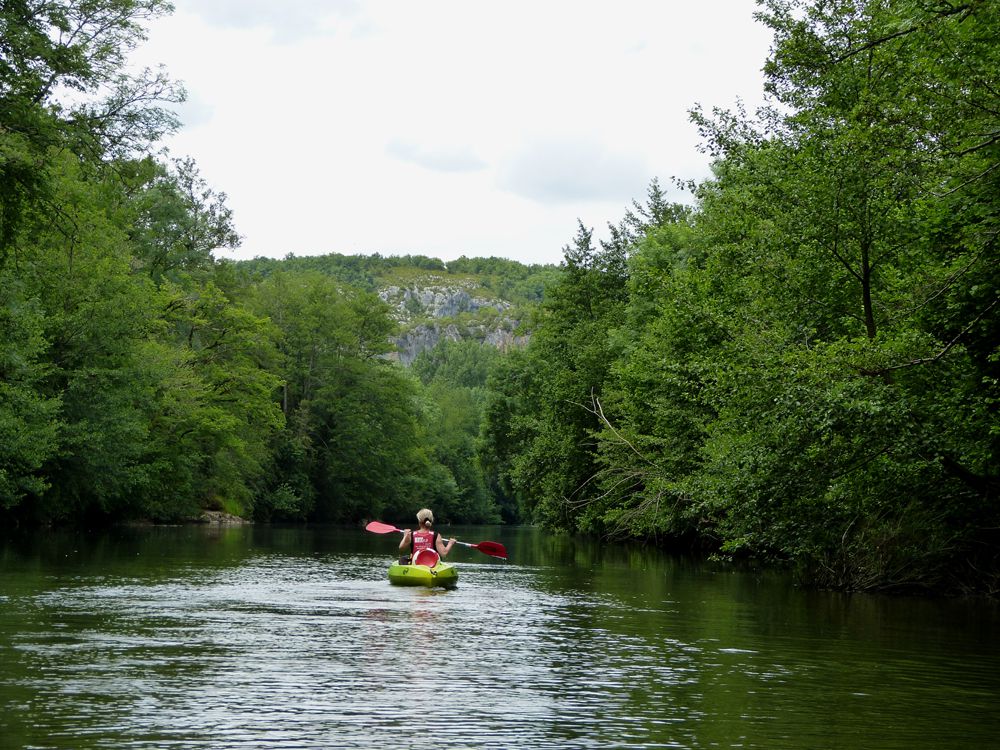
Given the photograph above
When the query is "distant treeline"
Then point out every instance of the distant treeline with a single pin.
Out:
(510, 280)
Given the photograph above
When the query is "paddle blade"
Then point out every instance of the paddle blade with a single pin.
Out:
(380, 528)
(494, 549)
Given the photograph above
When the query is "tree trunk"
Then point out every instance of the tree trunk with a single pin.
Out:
(866, 289)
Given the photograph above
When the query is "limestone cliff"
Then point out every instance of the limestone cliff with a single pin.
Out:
(434, 309)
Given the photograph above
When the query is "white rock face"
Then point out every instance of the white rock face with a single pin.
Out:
(436, 301)
(424, 311)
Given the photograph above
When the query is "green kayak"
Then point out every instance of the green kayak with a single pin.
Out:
(443, 574)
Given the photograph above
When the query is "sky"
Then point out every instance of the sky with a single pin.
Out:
(447, 127)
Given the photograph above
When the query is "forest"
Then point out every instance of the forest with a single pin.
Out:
(802, 366)
(143, 379)
(799, 365)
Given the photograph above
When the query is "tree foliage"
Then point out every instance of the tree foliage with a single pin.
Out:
(143, 378)
(804, 366)
(62, 86)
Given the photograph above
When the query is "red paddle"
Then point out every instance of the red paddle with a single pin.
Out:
(493, 549)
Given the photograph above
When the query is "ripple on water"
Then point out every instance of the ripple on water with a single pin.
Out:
(320, 651)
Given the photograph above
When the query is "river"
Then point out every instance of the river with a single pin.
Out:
(272, 637)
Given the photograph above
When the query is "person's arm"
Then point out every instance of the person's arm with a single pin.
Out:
(442, 548)
(407, 539)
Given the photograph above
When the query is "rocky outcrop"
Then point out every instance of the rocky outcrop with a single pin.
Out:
(220, 518)
(431, 313)
(436, 302)
(427, 336)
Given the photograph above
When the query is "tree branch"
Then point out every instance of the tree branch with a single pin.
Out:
(948, 347)
(952, 10)
(969, 181)
(598, 411)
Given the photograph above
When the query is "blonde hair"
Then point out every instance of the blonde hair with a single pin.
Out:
(424, 514)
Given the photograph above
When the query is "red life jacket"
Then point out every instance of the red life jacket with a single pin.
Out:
(423, 540)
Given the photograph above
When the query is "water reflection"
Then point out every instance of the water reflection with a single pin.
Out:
(292, 637)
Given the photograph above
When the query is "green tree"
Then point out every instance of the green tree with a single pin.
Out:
(455, 374)
(854, 425)
(121, 397)
(463, 364)
(665, 348)
(804, 367)
(179, 221)
(543, 432)
(222, 412)
(29, 429)
(354, 442)
(94, 317)
(508, 427)
(155, 402)
(62, 86)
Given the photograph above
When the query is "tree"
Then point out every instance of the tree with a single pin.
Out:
(455, 374)
(61, 86)
(804, 366)
(845, 232)
(221, 413)
(353, 443)
(543, 432)
(179, 220)
(652, 415)
(29, 428)
(75, 275)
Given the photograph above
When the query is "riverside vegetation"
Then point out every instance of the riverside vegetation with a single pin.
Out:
(799, 366)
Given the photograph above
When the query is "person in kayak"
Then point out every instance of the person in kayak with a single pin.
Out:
(423, 538)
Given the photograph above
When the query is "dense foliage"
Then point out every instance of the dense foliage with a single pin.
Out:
(142, 379)
(805, 366)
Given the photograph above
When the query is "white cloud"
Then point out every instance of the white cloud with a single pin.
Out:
(288, 21)
(194, 111)
(558, 171)
(437, 158)
(450, 127)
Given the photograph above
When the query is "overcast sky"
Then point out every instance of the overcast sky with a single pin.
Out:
(447, 127)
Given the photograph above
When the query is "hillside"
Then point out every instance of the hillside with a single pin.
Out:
(482, 299)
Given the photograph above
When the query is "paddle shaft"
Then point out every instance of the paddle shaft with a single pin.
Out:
(493, 549)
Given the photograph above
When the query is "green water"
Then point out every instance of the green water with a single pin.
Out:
(262, 637)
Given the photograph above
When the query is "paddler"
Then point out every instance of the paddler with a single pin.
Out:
(423, 538)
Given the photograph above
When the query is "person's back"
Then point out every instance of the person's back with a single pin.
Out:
(424, 538)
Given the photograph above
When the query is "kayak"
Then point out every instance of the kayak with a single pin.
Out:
(443, 574)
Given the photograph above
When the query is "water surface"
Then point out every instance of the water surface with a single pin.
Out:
(262, 637)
